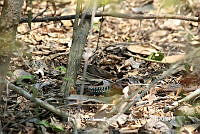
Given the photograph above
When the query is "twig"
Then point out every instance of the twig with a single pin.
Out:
(43, 104)
(151, 16)
(117, 15)
(187, 98)
(38, 101)
(39, 14)
(100, 29)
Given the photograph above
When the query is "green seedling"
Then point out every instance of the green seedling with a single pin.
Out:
(158, 56)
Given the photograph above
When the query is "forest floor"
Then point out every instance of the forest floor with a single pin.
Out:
(130, 53)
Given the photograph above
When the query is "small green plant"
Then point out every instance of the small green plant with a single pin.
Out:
(55, 127)
(187, 67)
(158, 56)
(62, 69)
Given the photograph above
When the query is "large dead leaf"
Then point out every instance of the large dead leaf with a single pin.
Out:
(146, 50)
(173, 58)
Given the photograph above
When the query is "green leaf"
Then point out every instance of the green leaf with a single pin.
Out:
(44, 123)
(26, 77)
(187, 67)
(21, 79)
(57, 127)
(62, 69)
(53, 126)
(158, 56)
(66, 79)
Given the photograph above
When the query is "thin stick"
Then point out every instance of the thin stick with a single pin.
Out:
(116, 15)
(100, 29)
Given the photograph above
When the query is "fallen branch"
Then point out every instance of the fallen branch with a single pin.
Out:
(151, 16)
(187, 98)
(43, 104)
(116, 15)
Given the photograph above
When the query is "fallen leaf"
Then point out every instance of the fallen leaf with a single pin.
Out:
(146, 50)
(173, 58)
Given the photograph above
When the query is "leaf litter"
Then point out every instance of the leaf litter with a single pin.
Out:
(122, 57)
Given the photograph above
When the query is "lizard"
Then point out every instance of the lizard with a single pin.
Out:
(107, 90)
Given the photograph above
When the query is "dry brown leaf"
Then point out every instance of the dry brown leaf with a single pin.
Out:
(173, 58)
(146, 50)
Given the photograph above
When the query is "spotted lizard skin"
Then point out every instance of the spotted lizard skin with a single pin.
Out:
(95, 90)
(106, 90)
